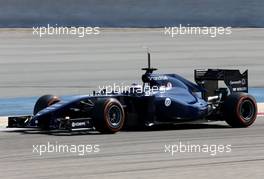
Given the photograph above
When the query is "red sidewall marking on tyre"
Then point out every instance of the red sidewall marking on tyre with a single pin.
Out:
(238, 109)
(106, 109)
(55, 99)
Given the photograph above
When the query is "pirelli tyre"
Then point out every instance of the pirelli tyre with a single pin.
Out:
(108, 115)
(240, 110)
(42, 103)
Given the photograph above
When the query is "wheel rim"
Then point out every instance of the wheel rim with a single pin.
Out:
(247, 110)
(114, 116)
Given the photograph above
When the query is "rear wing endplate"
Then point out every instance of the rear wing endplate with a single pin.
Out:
(234, 80)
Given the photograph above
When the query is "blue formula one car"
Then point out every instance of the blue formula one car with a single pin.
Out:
(162, 99)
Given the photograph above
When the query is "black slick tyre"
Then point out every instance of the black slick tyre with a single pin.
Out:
(42, 103)
(108, 115)
(240, 110)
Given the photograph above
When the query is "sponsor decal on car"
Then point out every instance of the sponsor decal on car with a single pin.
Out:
(167, 102)
(78, 124)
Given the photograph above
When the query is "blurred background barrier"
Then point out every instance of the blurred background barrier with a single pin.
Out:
(132, 13)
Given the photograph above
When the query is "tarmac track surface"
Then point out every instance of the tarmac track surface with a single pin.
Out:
(30, 66)
(136, 154)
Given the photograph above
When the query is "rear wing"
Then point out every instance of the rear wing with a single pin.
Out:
(233, 79)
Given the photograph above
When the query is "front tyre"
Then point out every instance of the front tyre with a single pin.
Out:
(109, 115)
(42, 103)
(240, 110)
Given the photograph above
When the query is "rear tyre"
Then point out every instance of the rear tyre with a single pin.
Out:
(109, 115)
(42, 103)
(240, 110)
